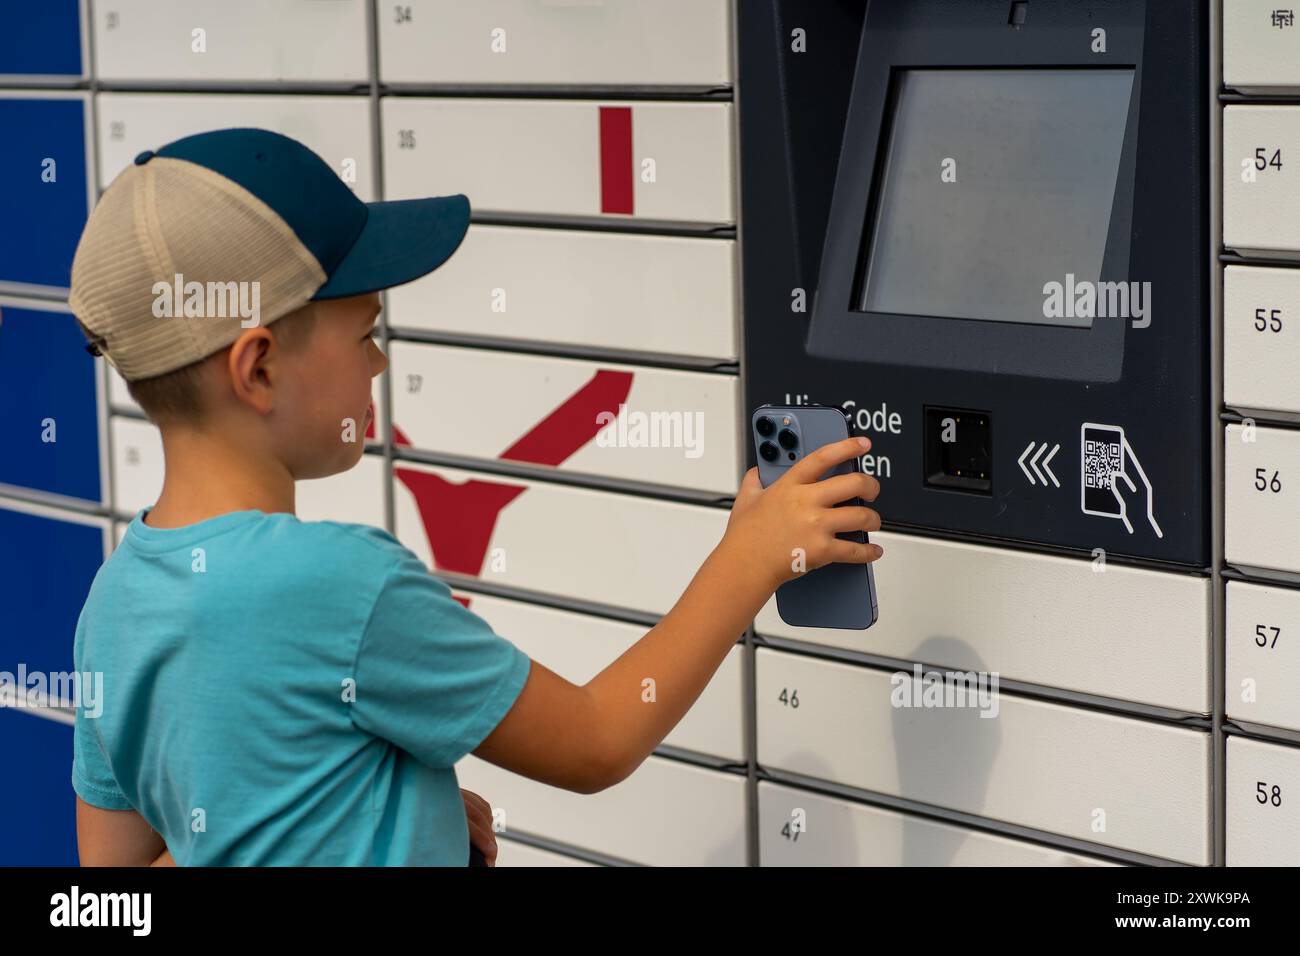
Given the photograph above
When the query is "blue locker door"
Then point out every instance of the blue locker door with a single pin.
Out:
(48, 393)
(43, 186)
(46, 567)
(41, 38)
(38, 822)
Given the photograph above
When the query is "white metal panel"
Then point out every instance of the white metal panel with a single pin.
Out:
(296, 41)
(601, 418)
(606, 43)
(667, 813)
(1263, 654)
(336, 128)
(1261, 522)
(669, 294)
(1118, 781)
(1263, 814)
(1261, 338)
(799, 828)
(137, 464)
(1261, 200)
(1261, 48)
(623, 550)
(544, 156)
(119, 399)
(356, 496)
(1128, 633)
(580, 646)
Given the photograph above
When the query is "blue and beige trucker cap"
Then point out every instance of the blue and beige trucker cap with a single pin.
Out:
(237, 206)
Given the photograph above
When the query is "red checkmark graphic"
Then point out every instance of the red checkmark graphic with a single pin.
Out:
(459, 517)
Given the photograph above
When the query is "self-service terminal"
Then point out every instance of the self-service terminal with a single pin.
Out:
(981, 227)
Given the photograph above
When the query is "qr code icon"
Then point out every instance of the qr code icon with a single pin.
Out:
(1101, 459)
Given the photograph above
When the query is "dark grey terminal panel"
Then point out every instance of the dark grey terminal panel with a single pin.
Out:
(976, 207)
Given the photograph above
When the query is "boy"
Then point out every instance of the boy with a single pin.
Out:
(281, 692)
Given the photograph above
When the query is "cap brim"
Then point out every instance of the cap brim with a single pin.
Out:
(401, 241)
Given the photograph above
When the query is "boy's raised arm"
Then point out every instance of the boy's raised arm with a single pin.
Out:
(590, 737)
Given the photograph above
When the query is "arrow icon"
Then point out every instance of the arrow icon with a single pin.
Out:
(1036, 466)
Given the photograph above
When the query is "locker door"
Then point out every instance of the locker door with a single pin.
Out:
(251, 41)
(612, 42)
(642, 424)
(355, 496)
(38, 813)
(42, 39)
(799, 828)
(137, 464)
(667, 813)
(620, 550)
(337, 128)
(47, 562)
(49, 406)
(44, 187)
(580, 646)
(559, 285)
(1263, 827)
(645, 160)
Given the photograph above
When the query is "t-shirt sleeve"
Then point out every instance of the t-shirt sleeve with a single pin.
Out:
(432, 677)
(92, 778)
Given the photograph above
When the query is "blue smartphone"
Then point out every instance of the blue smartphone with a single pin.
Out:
(836, 595)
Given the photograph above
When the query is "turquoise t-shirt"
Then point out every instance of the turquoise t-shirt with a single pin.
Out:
(285, 692)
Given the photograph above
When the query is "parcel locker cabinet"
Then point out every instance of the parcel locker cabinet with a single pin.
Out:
(666, 43)
(643, 160)
(336, 128)
(580, 646)
(38, 810)
(50, 417)
(967, 230)
(647, 425)
(42, 40)
(246, 41)
(45, 187)
(48, 559)
(623, 551)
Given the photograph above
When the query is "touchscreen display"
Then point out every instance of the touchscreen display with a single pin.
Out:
(996, 193)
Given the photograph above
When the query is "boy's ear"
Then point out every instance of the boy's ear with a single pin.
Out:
(251, 364)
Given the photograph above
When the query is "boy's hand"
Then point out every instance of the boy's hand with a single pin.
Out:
(478, 814)
(790, 527)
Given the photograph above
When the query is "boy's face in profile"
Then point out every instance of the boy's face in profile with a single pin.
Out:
(322, 404)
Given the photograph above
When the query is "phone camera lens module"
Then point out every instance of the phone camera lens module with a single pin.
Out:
(788, 439)
(768, 451)
(765, 426)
